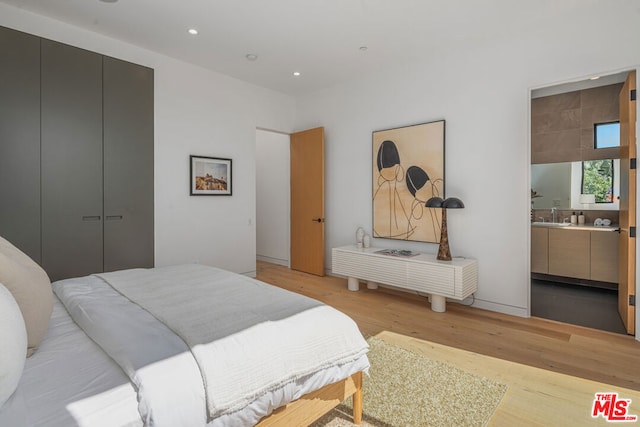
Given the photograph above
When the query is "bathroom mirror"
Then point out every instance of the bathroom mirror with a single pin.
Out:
(560, 185)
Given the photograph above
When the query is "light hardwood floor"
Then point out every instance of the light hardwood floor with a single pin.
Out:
(535, 397)
(574, 350)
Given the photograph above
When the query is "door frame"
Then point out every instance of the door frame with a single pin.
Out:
(527, 207)
(287, 232)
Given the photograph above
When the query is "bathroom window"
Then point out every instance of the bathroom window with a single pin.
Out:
(606, 135)
(597, 178)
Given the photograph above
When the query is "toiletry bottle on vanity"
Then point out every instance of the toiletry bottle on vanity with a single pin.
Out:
(574, 218)
(581, 219)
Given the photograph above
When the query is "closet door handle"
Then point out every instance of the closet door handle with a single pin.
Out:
(91, 218)
(114, 217)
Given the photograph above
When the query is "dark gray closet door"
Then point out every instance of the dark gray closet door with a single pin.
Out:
(128, 165)
(20, 140)
(71, 161)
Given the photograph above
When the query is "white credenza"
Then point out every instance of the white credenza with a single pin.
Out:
(456, 279)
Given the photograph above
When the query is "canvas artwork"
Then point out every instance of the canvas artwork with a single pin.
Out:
(408, 169)
(210, 176)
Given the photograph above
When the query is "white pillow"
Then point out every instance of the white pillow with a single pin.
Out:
(13, 341)
(31, 288)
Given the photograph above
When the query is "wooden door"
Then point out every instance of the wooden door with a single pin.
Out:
(627, 252)
(307, 201)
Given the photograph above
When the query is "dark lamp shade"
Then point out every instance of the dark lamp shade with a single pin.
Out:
(449, 203)
(434, 202)
(452, 203)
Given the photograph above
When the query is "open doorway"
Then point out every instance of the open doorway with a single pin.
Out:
(579, 190)
(272, 197)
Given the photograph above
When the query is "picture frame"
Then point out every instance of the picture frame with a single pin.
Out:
(407, 170)
(210, 176)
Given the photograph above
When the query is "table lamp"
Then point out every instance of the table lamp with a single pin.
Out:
(444, 254)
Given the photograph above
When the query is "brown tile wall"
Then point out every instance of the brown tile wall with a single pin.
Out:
(562, 125)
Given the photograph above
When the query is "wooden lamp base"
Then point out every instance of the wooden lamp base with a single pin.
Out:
(444, 254)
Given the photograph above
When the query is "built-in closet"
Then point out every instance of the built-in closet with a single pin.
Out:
(76, 156)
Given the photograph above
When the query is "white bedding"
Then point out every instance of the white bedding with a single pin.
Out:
(247, 337)
(71, 381)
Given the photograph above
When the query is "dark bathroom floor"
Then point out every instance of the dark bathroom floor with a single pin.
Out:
(579, 305)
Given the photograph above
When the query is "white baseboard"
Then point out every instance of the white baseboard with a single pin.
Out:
(501, 308)
(278, 261)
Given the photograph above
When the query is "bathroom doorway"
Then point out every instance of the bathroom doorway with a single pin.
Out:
(578, 184)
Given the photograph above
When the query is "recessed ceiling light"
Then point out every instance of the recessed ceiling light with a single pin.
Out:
(296, 73)
(251, 56)
(363, 48)
(193, 31)
(594, 78)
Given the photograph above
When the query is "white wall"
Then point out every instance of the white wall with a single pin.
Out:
(272, 197)
(483, 93)
(196, 112)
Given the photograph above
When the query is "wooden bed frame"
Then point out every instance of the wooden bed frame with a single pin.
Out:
(312, 406)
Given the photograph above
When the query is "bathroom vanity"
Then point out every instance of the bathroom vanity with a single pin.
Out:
(575, 251)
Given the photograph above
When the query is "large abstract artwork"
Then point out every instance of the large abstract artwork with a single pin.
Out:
(408, 169)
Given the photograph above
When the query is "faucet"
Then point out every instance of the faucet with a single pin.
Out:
(553, 214)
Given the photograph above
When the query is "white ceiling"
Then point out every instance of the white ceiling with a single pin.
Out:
(319, 38)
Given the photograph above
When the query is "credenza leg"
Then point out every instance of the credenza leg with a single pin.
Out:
(372, 285)
(353, 284)
(438, 303)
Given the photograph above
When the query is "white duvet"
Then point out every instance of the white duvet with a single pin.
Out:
(226, 342)
(70, 382)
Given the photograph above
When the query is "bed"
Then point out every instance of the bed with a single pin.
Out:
(117, 351)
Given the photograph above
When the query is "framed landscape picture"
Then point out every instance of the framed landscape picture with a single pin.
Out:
(408, 169)
(210, 176)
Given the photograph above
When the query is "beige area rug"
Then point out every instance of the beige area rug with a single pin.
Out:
(407, 389)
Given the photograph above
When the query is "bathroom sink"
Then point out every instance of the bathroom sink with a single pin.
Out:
(550, 224)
